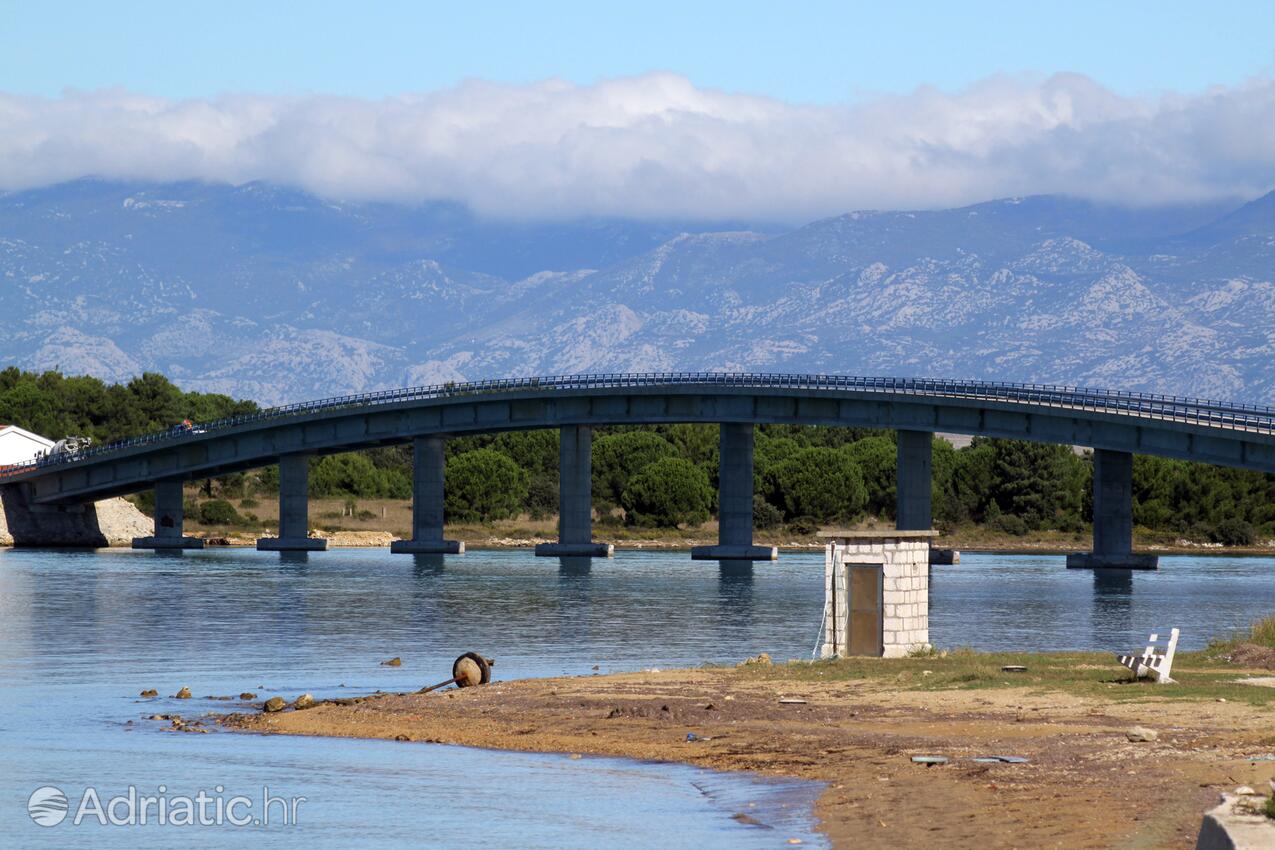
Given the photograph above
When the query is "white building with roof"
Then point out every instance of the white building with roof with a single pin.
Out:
(18, 444)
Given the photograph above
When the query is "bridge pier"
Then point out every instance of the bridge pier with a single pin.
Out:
(1112, 517)
(428, 462)
(914, 477)
(169, 516)
(294, 509)
(735, 500)
(575, 497)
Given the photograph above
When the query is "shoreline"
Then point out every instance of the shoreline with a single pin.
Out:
(498, 543)
(855, 727)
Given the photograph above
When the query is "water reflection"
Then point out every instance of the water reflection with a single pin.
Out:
(1113, 599)
(427, 565)
(575, 565)
(299, 559)
(735, 586)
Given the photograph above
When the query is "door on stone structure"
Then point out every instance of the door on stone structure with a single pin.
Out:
(865, 583)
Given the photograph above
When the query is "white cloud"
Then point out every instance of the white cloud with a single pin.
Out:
(656, 145)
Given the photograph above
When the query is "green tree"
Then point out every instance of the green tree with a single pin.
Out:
(970, 490)
(821, 483)
(943, 466)
(1040, 483)
(618, 457)
(354, 474)
(483, 485)
(668, 492)
(877, 459)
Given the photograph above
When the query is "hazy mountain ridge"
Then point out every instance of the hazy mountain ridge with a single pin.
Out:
(274, 294)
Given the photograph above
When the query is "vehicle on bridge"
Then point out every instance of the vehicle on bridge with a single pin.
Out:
(67, 448)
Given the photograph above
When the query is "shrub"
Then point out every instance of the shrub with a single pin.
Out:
(668, 493)
(766, 515)
(1234, 532)
(482, 485)
(145, 502)
(542, 495)
(248, 503)
(365, 515)
(803, 526)
(1263, 632)
(1009, 524)
(1199, 532)
(219, 512)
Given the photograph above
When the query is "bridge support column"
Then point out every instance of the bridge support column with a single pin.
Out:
(427, 502)
(735, 500)
(1112, 517)
(914, 479)
(294, 509)
(575, 497)
(169, 516)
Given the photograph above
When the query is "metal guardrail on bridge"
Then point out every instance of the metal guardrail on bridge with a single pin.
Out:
(1215, 414)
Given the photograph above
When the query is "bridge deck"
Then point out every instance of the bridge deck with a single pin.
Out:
(1211, 431)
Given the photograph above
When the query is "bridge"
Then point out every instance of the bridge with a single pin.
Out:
(1115, 424)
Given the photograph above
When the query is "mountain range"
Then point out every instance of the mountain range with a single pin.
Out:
(270, 293)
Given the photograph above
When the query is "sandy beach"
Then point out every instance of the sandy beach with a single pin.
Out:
(856, 724)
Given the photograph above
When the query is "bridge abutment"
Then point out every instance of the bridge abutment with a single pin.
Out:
(735, 500)
(169, 518)
(294, 509)
(1112, 517)
(428, 464)
(575, 497)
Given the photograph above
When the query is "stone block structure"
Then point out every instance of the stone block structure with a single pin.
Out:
(876, 592)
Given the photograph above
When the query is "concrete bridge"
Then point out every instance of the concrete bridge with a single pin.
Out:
(1115, 424)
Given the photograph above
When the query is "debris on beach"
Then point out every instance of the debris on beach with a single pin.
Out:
(929, 761)
(1013, 668)
(760, 660)
(1001, 760)
(791, 701)
(1141, 734)
(468, 670)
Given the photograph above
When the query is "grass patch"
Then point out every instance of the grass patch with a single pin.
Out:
(1269, 808)
(1199, 675)
(1263, 632)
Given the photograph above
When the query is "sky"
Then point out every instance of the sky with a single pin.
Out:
(648, 109)
(806, 52)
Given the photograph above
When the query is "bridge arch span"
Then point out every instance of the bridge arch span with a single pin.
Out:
(1115, 423)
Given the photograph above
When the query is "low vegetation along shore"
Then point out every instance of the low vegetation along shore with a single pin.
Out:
(1069, 753)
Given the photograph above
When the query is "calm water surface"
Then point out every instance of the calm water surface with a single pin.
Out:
(82, 633)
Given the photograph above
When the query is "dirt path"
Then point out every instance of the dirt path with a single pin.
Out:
(1085, 785)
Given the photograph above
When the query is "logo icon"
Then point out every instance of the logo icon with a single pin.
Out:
(47, 806)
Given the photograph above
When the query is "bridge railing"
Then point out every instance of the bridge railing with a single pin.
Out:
(1217, 414)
